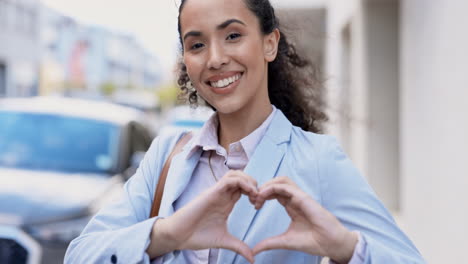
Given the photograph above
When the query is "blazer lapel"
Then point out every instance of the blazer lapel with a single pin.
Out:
(262, 166)
(180, 171)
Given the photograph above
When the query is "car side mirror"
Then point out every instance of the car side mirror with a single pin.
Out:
(135, 161)
(136, 158)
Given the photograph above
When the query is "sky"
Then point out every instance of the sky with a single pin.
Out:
(152, 22)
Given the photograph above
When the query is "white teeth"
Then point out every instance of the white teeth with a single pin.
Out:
(225, 82)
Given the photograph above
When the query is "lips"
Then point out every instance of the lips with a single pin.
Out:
(223, 80)
(224, 83)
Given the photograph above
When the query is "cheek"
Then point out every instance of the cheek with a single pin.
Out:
(193, 68)
(254, 64)
(253, 56)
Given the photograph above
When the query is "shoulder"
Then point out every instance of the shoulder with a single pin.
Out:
(167, 140)
(325, 152)
(320, 153)
(306, 160)
(161, 147)
(312, 145)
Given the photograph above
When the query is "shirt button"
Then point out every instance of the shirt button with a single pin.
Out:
(114, 259)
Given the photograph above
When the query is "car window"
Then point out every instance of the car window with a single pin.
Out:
(189, 123)
(140, 138)
(54, 142)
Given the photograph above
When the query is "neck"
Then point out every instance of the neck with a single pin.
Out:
(235, 126)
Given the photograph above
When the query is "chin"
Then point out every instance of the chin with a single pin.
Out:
(226, 109)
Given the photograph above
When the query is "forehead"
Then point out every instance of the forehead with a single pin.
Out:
(198, 14)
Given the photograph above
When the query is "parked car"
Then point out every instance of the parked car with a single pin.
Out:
(61, 159)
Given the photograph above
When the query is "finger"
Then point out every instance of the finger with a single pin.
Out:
(233, 186)
(279, 191)
(239, 184)
(276, 242)
(232, 189)
(278, 180)
(244, 176)
(236, 245)
(253, 199)
(283, 179)
(292, 198)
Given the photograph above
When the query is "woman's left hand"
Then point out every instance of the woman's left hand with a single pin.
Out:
(313, 229)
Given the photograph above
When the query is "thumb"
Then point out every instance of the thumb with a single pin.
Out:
(234, 244)
(276, 242)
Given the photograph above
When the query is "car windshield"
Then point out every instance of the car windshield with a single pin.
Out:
(55, 142)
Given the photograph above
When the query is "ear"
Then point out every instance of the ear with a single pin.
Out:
(270, 45)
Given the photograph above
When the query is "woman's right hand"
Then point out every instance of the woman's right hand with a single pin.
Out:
(202, 223)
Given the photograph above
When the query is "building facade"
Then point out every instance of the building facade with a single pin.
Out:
(19, 47)
(45, 52)
(92, 59)
(398, 103)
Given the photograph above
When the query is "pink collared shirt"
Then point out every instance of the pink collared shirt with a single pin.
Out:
(222, 160)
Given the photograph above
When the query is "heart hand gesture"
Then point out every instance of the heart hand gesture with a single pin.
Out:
(313, 229)
(202, 223)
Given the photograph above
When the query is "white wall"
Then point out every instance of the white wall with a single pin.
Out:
(434, 131)
(363, 85)
(424, 95)
(346, 77)
(382, 80)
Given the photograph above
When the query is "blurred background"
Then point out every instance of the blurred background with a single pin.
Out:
(97, 78)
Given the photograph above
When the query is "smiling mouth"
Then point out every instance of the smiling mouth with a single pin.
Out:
(225, 82)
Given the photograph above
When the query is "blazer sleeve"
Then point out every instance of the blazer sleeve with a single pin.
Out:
(120, 232)
(347, 195)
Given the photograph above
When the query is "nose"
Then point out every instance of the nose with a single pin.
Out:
(217, 57)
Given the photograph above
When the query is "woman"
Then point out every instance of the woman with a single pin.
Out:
(254, 149)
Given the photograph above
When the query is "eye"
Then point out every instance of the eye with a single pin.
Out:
(233, 36)
(196, 46)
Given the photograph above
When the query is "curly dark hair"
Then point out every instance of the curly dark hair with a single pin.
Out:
(293, 82)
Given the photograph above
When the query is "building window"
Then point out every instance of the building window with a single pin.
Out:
(20, 18)
(2, 80)
(32, 22)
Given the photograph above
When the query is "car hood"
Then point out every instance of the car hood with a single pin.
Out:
(34, 196)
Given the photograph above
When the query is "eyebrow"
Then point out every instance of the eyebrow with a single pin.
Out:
(228, 22)
(221, 26)
(192, 34)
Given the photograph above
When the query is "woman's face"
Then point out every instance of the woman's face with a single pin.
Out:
(226, 54)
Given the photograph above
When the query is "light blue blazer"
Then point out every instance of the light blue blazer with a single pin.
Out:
(119, 233)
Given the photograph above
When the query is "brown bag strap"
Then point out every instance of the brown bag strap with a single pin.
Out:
(158, 194)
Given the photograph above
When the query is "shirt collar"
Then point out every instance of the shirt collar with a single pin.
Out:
(207, 137)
